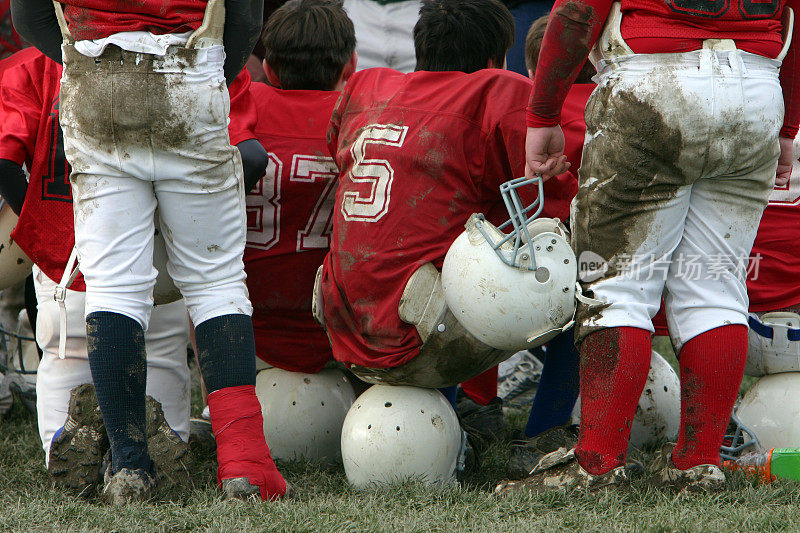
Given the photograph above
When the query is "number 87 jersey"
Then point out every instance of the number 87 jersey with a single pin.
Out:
(418, 154)
(289, 225)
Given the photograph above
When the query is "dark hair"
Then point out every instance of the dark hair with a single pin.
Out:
(308, 43)
(462, 35)
(533, 45)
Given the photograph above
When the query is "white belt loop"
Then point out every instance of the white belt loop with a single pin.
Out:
(70, 273)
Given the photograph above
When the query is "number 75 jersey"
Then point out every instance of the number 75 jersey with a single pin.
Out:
(289, 225)
(418, 154)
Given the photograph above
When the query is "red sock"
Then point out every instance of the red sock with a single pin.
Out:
(614, 367)
(712, 366)
(241, 449)
(482, 389)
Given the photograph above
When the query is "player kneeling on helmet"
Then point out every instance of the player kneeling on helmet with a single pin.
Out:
(310, 54)
(70, 426)
(768, 415)
(418, 155)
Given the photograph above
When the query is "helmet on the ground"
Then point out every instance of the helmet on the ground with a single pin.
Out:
(394, 434)
(15, 265)
(658, 413)
(512, 291)
(767, 417)
(773, 343)
(303, 413)
(19, 359)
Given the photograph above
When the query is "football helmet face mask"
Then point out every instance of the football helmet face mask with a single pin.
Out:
(19, 359)
(512, 291)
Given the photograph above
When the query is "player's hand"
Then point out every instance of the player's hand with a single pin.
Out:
(544, 152)
(785, 161)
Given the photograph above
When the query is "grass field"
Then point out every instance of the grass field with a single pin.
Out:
(324, 502)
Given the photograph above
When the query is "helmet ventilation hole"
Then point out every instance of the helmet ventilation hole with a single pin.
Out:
(397, 428)
(387, 404)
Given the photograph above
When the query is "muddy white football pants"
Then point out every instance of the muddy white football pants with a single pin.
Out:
(170, 149)
(168, 379)
(678, 162)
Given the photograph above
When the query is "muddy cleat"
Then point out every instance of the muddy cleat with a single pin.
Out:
(240, 488)
(77, 449)
(526, 453)
(201, 436)
(128, 486)
(560, 470)
(697, 479)
(484, 423)
(169, 452)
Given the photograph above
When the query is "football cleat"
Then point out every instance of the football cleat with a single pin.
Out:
(697, 479)
(77, 449)
(169, 452)
(128, 486)
(526, 452)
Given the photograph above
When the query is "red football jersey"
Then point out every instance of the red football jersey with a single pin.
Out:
(30, 134)
(772, 281)
(96, 19)
(418, 154)
(289, 225)
(573, 122)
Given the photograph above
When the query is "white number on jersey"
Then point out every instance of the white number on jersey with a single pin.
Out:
(378, 173)
(264, 209)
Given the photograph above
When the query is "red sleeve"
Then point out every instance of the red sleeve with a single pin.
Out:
(572, 30)
(790, 78)
(243, 109)
(20, 110)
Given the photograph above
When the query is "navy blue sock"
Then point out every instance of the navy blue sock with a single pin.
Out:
(558, 386)
(226, 351)
(451, 393)
(117, 359)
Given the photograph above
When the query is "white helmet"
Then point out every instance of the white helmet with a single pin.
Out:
(658, 414)
(774, 343)
(512, 291)
(303, 413)
(769, 413)
(394, 434)
(14, 263)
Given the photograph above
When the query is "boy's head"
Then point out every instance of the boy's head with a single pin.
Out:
(533, 45)
(310, 44)
(462, 35)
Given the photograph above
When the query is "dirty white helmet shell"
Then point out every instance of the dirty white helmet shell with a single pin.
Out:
(511, 307)
(771, 410)
(303, 413)
(394, 434)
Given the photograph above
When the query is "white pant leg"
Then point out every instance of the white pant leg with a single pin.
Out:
(168, 379)
(384, 33)
(157, 127)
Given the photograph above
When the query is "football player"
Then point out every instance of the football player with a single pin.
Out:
(418, 154)
(684, 134)
(144, 108)
(30, 135)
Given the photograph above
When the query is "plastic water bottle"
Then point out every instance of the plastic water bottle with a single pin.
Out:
(781, 463)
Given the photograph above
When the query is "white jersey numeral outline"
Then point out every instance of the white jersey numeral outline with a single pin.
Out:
(263, 202)
(789, 194)
(378, 173)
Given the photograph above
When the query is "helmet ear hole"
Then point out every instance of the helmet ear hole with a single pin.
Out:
(542, 274)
